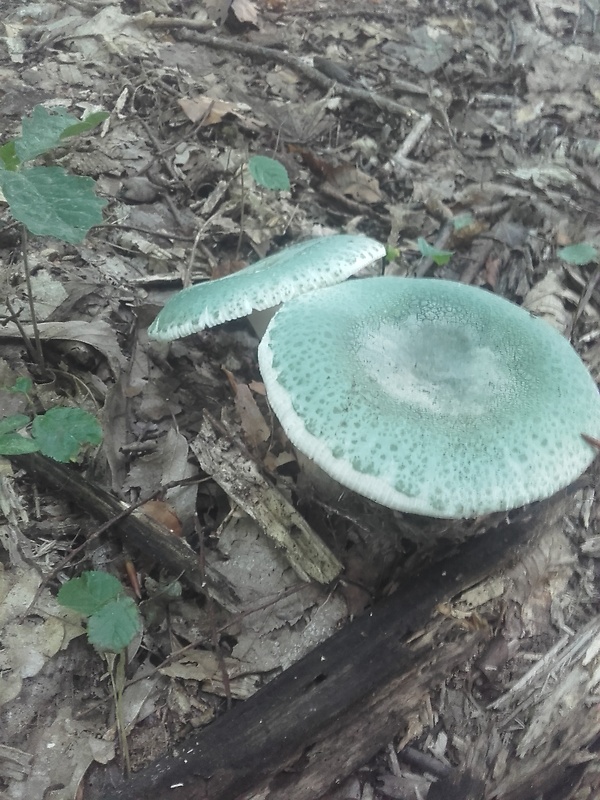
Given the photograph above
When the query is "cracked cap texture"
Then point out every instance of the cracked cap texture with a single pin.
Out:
(429, 396)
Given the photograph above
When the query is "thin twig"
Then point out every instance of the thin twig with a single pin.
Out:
(36, 334)
(147, 231)
(159, 150)
(167, 165)
(281, 57)
(105, 527)
(182, 22)
(187, 275)
(242, 214)
(426, 263)
(14, 317)
(410, 142)
(214, 635)
(583, 301)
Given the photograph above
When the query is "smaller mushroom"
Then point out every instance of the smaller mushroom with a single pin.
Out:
(429, 396)
(301, 268)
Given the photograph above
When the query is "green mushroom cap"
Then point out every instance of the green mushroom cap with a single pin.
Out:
(430, 396)
(295, 270)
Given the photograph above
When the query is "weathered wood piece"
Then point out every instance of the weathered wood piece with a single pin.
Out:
(240, 479)
(341, 703)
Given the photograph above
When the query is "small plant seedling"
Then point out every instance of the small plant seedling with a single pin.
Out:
(11, 442)
(112, 617)
(47, 199)
(439, 257)
(22, 385)
(461, 221)
(579, 254)
(60, 433)
(391, 253)
(113, 620)
(269, 173)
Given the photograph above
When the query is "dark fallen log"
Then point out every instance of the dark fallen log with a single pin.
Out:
(138, 530)
(332, 711)
(340, 704)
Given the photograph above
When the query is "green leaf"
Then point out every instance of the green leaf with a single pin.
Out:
(62, 432)
(42, 131)
(580, 254)
(91, 121)
(114, 625)
(90, 592)
(50, 202)
(8, 157)
(13, 423)
(12, 444)
(22, 385)
(391, 253)
(269, 173)
(439, 257)
(461, 221)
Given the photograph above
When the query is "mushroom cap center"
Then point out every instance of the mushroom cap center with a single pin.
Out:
(439, 367)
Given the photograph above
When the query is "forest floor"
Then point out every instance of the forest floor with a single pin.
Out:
(473, 125)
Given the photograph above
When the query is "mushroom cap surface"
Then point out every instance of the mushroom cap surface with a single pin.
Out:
(430, 396)
(301, 268)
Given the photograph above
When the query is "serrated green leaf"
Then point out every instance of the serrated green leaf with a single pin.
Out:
(269, 173)
(42, 131)
(62, 432)
(12, 444)
(13, 423)
(84, 125)
(8, 157)
(113, 627)
(50, 202)
(90, 592)
(439, 257)
(22, 385)
(581, 254)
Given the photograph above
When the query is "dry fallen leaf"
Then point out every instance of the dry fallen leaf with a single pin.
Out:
(545, 300)
(256, 429)
(162, 513)
(356, 184)
(26, 648)
(204, 667)
(97, 334)
(207, 110)
(245, 11)
(217, 10)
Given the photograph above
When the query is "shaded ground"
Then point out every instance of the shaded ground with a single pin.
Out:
(391, 120)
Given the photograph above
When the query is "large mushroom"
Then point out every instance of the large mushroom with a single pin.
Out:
(303, 267)
(430, 396)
